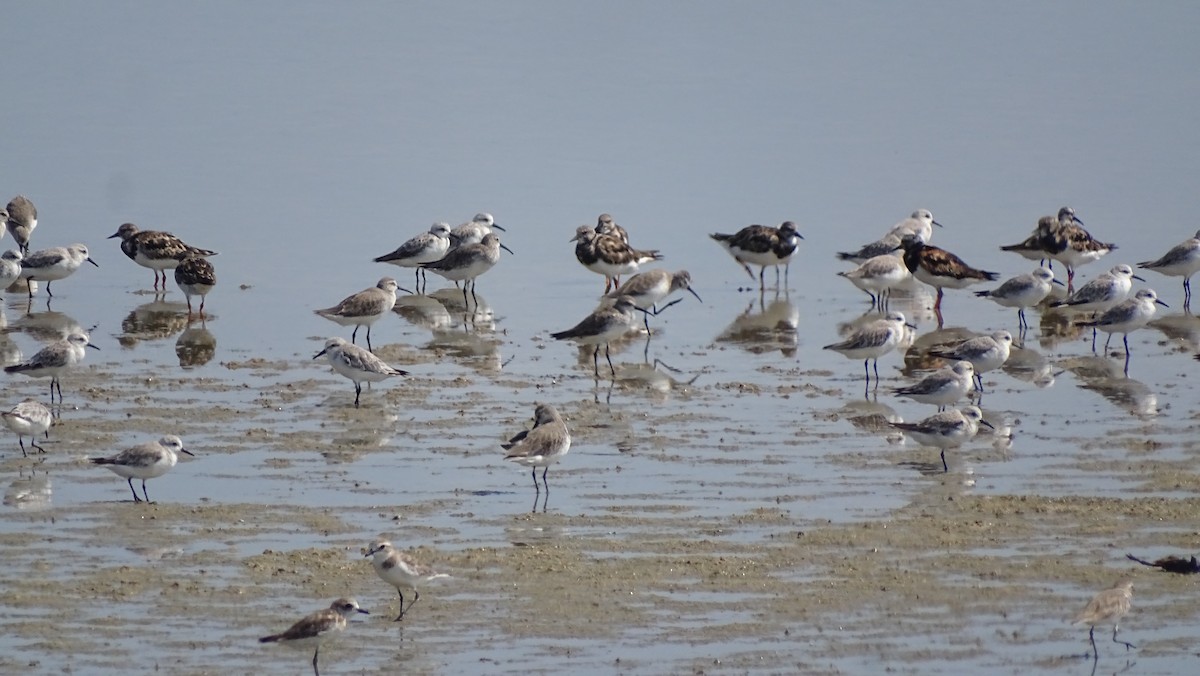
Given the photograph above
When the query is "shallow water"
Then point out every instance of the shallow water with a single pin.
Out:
(732, 501)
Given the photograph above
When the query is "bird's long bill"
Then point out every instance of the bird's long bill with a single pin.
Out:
(318, 354)
(1140, 279)
(92, 346)
(184, 450)
(497, 226)
(1159, 301)
(1058, 282)
(507, 249)
(92, 262)
(989, 425)
(114, 235)
(695, 294)
(938, 224)
(363, 611)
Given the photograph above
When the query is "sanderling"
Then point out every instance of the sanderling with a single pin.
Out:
(985, 353)
(877, 276)
(159, 251)
(145, 461)
(942, 387)
(20, 219)
(195, 276)
(763, 246)
(465, 263)
(949, 429)
(605, 225)
(51, 361)
(10, 268)
(647, 288)
(873, 340)
(1127, 316)
(1022, 291)
(920, 223)
(542, 445)
(28, 418)
(473, 231)
(940, 268)
(363, 308)
(1103, 292)
(1183, 260)
(57, 263)
(601, 327)
(400, 570)
(609, 256)
(426, 247)
(357, 364)
(1109, 605)
(315, 629)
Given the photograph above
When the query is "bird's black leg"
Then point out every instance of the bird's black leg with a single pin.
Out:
(144, 494)
(609, 358)
(132, 490)
(357, 392)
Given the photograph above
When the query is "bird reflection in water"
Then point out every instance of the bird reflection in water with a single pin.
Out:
(772, 327)
(155, 320)
(196, 346)
(1107, 378)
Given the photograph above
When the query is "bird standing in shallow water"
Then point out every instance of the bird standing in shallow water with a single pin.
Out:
(400, 570)
(542, 445)
(145, 461)
(763, 246)
(647, 288)
(20, 219)
(195, 276)
(357, 364)
(363, 308)
(1109, 605)
(601, 328)
(609, 255)
(940, 268)
(316, 628)
(159, 251)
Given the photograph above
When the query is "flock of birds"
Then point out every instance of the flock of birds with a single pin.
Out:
(465, 253)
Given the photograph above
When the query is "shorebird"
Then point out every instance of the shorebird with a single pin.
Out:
(400, 570)
(53, 360)
(363, 308)
(1109, 605)
(466, 262)
(315, 629)
(920, 223)
(609, 256)
(473, 231)
(1183, 260)
(949, 429)
(357, 364)
(1022, 291)
(985, 353)
(542, 445)
(1127, 316)
(1072, 245)
(873, 340)
(195, 276)
(10, 268)
(600, 328)
(20, 218)
(605, 225)
(942, 387)
(877, 276)
(940, 268)
(145, 461)
(159, 251)
(647, 289)
(1101, 293)
(28, 418)
(53, 264)
(763, 246)
(427, 247)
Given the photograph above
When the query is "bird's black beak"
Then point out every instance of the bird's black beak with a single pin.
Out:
(695, 294)
(497, 226)
(184, 450)
(506, 248)
(363, 611)
(938, 224)
(988, 424)
(1137, 278)
(92, 346)
(92, 262)
(318, 354)
(1055, 281)
(1159, 301)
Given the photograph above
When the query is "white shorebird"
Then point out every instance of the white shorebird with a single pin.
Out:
(357, 364)
(601, 327)
(542, 445)
(315, 629)
(53, 264)
(28, 418)
(10, 268)
(985, 353)
(474, 230)
(609, 256)
(20, 218)
(427, 247)
(877, 276)
(1101, 293)
(1127, 316)
(157, 250)
(400, 570)
(55, 359)
(145, 461)
(1183, 260)
(1022, 291)
(949, 429)
(920, 223)
(763, 246)
(363, 308)
(873, 340)
(195, 276)
(1108, 606)
(467, 262)
(647, 289)
(942, 387)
